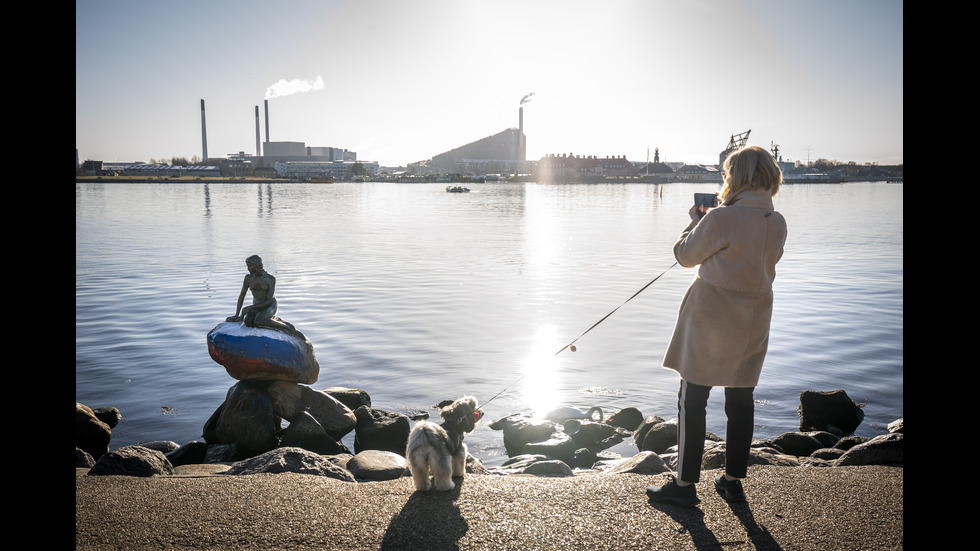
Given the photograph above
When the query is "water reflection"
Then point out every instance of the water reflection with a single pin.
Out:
(543, 376)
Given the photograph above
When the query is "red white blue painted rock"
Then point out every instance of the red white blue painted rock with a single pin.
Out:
(258, 353)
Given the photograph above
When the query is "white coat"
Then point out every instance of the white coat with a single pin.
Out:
(722, 332)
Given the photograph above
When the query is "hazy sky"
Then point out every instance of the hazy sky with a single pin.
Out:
(398, 81)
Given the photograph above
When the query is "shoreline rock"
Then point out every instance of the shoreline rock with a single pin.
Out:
(535, 448)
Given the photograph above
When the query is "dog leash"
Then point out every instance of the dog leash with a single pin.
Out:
(571, 345)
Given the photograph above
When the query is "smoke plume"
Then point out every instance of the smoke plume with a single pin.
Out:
(526, 98)
(296, 86)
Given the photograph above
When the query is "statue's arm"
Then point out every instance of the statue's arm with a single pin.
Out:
(241, 300)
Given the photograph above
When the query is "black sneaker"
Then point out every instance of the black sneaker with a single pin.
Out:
(672, 493)
(731, 490)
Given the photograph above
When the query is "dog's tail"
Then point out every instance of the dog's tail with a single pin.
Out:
(426, 445)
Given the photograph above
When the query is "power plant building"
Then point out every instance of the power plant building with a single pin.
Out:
(501, 152)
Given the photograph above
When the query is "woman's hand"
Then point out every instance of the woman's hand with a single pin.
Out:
(695, 213)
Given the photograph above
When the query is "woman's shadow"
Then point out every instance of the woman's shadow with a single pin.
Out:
(692, 519)
(429, 520)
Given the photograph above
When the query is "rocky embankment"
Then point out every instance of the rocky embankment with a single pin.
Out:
(566, 444)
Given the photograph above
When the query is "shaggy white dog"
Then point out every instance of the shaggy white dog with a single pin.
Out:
(439, 449)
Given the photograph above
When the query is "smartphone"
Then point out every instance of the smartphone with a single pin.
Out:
(705, 201)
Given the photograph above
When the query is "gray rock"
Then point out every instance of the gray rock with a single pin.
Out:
(83, 459)
(475, 466)
(558, 446)
(305, 432)
(596, 435)
(91, 434)
(659, 437)
(898, 425)
(828, 454)
(132, 461)
(849, 442)
(377, 465)
(641, 463)
(550, 467)
(380, 430)
(831, 411)
(290, 460)
(246, 418)
(289, 400)
(714, 457)
(221, 453)
(887, 449)
(520, 429)
(644, 427)
(108, 415)
(191, 453)
(797, 443)
(627, 418)
(162, 446)
(353, 398)
(522, 461)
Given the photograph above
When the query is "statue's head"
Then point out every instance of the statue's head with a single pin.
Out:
(254, 262)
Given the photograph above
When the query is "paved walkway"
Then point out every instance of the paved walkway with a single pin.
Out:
(788, 508)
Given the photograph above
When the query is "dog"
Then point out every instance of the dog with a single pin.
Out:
(439, 449)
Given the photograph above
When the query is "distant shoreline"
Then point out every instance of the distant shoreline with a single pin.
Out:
(518, 179)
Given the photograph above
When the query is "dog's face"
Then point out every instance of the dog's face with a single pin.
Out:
(463, 412)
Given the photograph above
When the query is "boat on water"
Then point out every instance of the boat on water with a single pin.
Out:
(457, 189)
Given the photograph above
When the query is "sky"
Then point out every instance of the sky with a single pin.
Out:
(400, 81)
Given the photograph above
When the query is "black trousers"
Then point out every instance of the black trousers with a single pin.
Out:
(692, 401)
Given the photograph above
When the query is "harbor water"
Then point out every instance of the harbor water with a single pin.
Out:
(416, 295)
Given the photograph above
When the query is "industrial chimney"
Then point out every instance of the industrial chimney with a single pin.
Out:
(266, 120)
(522, 146)
(258, 148)
(204, 133)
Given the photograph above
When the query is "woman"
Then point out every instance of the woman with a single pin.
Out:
(722, 330)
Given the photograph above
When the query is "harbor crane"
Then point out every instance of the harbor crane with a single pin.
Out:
(736, 142)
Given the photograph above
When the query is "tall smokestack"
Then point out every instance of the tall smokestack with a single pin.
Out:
(258, 147)
(522, 146)
(204, 133)
(267, 120)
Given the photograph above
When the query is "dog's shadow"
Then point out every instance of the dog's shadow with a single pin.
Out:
(429, 520)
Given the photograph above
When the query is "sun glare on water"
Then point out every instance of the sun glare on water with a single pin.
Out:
(543, 372)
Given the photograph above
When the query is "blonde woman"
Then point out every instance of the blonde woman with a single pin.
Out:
(722, 330)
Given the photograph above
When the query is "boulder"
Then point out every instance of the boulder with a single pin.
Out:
(245, 418)
(304, 431)
(628, 418)
(558, 446)
(831, 411)
(520, 429)
(641, 431)
(162, 446)
(91, 434)
(289, 400)
(191, 453)
(641, 463)
(290, 460)
(797, 443)
(887, 449)
(659, 437)
(261, 353)
(83, 459)
(551, 467)
(132, 461)
(596, 435)
(353, 398)
(108, 415)
(377, 465)
(377, 429)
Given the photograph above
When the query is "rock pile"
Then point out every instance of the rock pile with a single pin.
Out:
(535, 447)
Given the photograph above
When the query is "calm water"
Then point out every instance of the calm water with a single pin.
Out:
(417, 295)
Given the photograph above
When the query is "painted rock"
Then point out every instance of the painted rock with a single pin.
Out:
(258, 353)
